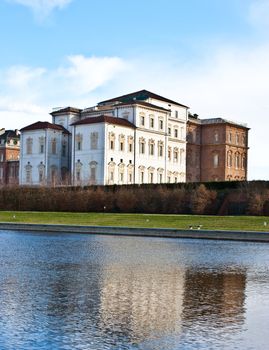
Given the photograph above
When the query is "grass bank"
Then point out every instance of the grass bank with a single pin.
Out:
(231, 223)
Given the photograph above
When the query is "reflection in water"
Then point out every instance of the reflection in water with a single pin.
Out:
(92, 292)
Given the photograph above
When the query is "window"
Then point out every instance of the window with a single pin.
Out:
(215, 160)
(230, 137)
(53, 146)
(93, 166)
(41, 172)
(78, 170)
(169, 153)
(237, 161)
(230, 159)
(111, 138)
(29, 145)
(151, 122)
(94, 140)
(64, 149)
(78, 142)
(41, 145)
(142, 120)
(176, 114)
(160, 124)
(121, 141)
(160, 148)
(169, 131)
(237, 139)
(216, 136)
(176, 133)
(151, 147)
(175, 155)
(28, 173)
(130, 143)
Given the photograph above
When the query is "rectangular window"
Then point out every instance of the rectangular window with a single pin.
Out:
(176, 114)
(161, 124)
(79, 146)
(169, 131)
(151, 178)
(216, 160)
(130, 147)
(142, 177)
(111, 144)
(63, 150)
(121, 146)
(151, 149)
(41, 148)
(175, 133)
(142, 121)
(152, 122)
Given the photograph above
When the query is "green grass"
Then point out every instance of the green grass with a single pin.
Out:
(235, 223)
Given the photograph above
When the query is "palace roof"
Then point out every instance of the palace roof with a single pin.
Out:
(45, 125)
(105, 119)
(141, 95)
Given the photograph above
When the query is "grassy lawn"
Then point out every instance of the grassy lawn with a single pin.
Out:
(236, 223)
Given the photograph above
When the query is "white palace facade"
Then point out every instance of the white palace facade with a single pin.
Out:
(132, 139)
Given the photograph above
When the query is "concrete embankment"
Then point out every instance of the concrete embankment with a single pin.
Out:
(144, 232)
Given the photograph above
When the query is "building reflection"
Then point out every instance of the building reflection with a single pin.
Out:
(142, 301)
(215, 298)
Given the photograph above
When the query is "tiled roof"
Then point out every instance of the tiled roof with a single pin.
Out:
(105, 119)
(44, 125)
(146, 104)
(66, 110)
(141, 96)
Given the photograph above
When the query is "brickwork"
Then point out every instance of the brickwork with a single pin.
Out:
(222, 148)
(9, 157)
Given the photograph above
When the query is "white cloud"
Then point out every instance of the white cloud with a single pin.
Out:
(30, 93)
(259, 13)
(42, 8)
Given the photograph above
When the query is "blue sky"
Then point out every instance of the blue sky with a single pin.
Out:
(212, 55)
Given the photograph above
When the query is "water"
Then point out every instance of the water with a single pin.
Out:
(65, 291)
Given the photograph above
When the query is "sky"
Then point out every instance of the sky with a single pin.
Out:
(212, 55)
